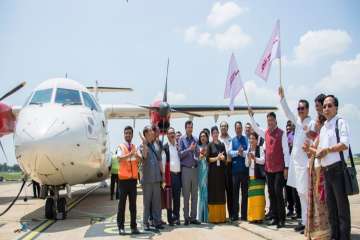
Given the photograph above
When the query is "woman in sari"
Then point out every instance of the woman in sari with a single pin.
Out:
(318, 227)
(216, 157)
(255, 161)
(203, 178)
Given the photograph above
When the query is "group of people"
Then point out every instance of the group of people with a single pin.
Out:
(213, 170)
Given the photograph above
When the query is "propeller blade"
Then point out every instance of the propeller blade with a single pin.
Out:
(188, 113)
(165, 90)
(2, 148)
(15, 89)
(156, 109)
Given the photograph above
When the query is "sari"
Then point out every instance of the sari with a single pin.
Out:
(203, 191)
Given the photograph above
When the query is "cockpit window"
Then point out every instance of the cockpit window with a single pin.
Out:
(41, 96)
(67, 96)
(88, 101)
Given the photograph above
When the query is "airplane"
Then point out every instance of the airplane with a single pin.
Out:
(61, 133)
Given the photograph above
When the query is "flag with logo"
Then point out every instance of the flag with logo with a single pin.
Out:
(272, 52)
(233, 82)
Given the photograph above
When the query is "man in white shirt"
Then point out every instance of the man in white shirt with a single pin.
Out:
(298, 165)
(226, 139)
(171, 154)
(328, 151)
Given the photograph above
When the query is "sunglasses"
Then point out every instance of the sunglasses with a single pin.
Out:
(328, 105)
(301, 108)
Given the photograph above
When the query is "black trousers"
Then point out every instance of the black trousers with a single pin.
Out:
(114, 186)
(36, 189)
(127, 188)
(293, 200)
(276, 184)
(174, 213)
(337, 202)
(240, 180)
(229, 190)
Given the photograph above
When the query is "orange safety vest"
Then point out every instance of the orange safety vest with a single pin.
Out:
(127, 169)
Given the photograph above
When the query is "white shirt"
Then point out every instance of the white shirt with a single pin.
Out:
(174, 158)
(328, 139)
(299, 161)
(284, 143)
(260, 160)
(226, 141)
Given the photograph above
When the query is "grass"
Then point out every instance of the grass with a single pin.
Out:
(357, 160)
(11, 176)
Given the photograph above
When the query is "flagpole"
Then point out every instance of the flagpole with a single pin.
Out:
(280, 72)
(246, 98)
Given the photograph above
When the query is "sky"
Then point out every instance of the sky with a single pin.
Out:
(126, 44)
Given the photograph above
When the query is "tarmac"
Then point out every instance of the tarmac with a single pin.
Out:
(92, 215)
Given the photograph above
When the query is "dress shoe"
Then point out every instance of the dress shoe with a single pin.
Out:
(268, 217)
(290, 214)
(302, 232)
(177, 222)
(122, 231)
(147, 227)
(187, 222)
(281, 224)
(299, 228)
(171, 224)
(234, 219)
(159, 227)
(273, 222)
(196, 222)
(135, 231)
(244, 219)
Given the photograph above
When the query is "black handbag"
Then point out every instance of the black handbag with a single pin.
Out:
(351, 183)
(259, 169)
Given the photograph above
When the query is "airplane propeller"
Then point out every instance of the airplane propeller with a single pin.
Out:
(12, 91)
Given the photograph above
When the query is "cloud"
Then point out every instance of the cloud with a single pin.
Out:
(222, 13)
(344, 75)
(315, 45)
(173, 98)
(350, 111)
(232, 39)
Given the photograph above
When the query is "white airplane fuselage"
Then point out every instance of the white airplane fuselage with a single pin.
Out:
(58, 144)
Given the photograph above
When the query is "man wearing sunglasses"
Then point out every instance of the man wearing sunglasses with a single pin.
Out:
(328, 150)
(298, 165)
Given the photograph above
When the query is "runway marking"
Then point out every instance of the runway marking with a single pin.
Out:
(33, 234)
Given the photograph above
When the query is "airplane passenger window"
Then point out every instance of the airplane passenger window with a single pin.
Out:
(67, 96)
(88, 101)
(41, 96)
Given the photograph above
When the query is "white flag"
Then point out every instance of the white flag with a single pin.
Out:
(233, 82)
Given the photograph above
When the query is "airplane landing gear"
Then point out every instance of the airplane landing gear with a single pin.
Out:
(55, 206)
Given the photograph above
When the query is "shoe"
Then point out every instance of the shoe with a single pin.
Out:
(159, 227)
(135, 231)
(111, 198)
(196, 222)
(296, 216)
(122, 231)
(171, 224)
(163, 223)
(273, 222)
(177, 222)
(281, 224)
(187, 222)
(147, 227)
(290, 214)
(244, 219)
(302, 232)
(235, 219)
(268, 217)
(299, 228)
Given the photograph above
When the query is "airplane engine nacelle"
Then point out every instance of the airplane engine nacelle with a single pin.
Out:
(7, 120)
(162, 122)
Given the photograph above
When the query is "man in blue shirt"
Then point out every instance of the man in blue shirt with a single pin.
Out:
(240, 172)
(189, 154)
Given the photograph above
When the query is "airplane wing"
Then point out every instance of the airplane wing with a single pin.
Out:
(130, 111)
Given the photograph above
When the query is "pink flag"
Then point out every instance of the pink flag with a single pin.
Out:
(233, 82)
(272, 51)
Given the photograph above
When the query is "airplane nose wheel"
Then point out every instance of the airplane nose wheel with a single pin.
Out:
(61, 204)
(55, 206)
(50, 211)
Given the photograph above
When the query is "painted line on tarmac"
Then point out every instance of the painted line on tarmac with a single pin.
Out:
(255, 233)
(33, 234)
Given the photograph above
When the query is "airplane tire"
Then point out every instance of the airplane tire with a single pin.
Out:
(62, 208)
(50, 208)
